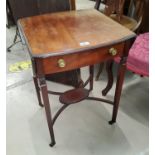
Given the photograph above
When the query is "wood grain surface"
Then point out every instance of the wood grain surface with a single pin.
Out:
(78, 60)
(70, 32)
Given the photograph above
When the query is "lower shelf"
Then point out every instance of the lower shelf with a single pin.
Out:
(74, 96)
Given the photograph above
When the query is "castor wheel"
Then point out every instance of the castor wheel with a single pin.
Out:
(41, 105)
(52, 144)
(111, 122)
(8, 50)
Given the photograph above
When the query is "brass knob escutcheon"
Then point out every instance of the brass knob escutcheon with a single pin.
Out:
(113, 51)
(61, 63)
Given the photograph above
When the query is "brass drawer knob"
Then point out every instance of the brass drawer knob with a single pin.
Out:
(113, 51)
(61, 63)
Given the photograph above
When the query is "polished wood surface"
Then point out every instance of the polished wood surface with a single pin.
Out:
(126, 21)
(69, 32)
(64, 41)
(86, 58)
(17, 9)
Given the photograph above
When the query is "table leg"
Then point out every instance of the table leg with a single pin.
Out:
(37, 90)
(109, 66)
(43, 87)
(119, 84)
(97, 5)
(101, 67)
(91, 72)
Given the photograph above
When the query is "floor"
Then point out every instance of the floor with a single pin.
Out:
(83, 128)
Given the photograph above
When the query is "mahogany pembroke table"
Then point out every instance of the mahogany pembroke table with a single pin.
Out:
(69, 40)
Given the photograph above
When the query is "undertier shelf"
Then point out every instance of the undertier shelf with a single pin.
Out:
(74, 96)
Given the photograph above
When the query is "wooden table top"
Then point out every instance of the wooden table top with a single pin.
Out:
(70, 32)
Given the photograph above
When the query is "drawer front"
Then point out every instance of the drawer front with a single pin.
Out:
(77, 60)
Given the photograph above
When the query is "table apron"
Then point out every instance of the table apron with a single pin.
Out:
(80, 59)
